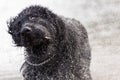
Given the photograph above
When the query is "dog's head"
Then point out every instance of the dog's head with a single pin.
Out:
(33, 26)
(40, 31)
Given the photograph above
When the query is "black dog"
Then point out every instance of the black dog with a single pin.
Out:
(57, 48)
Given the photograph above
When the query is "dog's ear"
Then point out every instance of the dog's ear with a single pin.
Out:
(9, 25)
(14, 29)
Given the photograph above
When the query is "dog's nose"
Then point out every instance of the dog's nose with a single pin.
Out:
(26, 31)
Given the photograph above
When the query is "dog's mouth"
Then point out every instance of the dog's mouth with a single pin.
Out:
(38, 55)
(31, 41)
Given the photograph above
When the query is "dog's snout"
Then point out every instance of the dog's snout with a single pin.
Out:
(26, 31)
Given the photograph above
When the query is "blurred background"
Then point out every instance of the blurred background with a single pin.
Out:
(101, 18)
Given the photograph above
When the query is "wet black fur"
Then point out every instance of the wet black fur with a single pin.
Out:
(69, 45)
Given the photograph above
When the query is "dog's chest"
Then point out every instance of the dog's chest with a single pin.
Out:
(33, 73)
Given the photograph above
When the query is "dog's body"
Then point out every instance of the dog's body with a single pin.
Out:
(57, 48)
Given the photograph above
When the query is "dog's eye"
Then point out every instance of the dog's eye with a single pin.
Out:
(32, 18)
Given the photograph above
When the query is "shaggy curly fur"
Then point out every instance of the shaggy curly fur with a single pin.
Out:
(57, 48)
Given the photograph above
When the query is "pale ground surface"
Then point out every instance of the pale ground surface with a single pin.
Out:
(101, 19)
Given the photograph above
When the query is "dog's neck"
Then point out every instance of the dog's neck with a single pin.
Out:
(38, 55)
